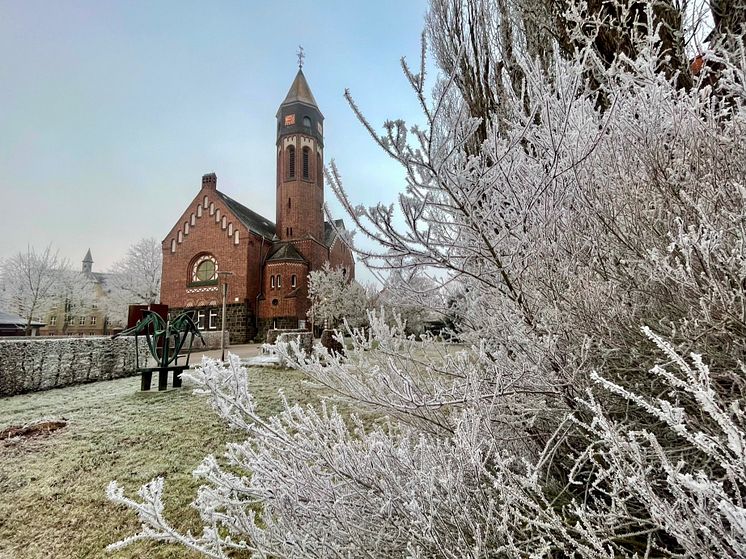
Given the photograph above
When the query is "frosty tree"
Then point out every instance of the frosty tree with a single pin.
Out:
(134, 280)
(75, 294)
(32, 282)
(335, 297)
(593, 220)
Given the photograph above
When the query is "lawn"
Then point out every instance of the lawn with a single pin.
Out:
(52, 501)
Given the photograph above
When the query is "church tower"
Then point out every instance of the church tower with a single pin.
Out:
(88, 262)
(300, 156)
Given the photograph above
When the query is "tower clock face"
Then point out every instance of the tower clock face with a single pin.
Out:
(289, 120)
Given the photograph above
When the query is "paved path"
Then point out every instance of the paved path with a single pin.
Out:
(242, 350)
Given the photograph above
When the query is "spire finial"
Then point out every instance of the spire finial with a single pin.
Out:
(301, 56)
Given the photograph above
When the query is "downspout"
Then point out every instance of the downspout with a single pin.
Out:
(256, 302)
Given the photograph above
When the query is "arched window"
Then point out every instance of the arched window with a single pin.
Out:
(293, 280)
(199, 211)
(192, 220)
(204, 269)
(173, 245)
(291, 162)
(306, 122)
(271, 282)
(306, 168)
(235, 237)
(319, 169)
(230, 229)
(279, 284)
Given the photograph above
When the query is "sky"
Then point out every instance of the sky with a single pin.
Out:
(111, 112)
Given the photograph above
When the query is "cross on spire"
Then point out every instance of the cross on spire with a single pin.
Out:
(301, 56)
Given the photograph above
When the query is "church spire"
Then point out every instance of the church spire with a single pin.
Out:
(88, 262)
(300, 92)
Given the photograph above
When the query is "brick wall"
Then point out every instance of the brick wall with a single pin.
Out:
(200, 230)
(300, 201)
(341, 256)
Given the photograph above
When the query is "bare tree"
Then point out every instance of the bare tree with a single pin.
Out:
(75, 294)
(32, 283)
(134, 280)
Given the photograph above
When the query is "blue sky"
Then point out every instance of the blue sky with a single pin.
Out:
(110, 112)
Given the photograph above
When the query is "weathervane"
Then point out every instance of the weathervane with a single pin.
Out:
(301, 56)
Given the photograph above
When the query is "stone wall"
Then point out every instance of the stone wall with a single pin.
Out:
(33, 364)
(283, 323)
(212, 341)
(305, 337)
(239, 322)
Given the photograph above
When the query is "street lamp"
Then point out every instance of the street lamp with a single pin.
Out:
(224, 283)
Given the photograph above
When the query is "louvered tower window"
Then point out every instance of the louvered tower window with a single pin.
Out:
(306, 164)
(291, 162)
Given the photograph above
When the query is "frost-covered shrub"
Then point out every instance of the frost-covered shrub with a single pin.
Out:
(560, 428)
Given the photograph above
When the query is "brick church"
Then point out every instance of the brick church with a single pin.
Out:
(267, 262)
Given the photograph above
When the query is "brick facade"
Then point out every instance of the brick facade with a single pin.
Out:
(268, 263)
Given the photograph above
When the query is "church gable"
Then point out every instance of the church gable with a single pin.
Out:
(214, 209)
(217, 229)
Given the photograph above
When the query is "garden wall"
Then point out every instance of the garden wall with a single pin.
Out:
(33, 364)
(304, 338)
(212, 341)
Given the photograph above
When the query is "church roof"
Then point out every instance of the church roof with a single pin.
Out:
(286, 251)
(255, 222)
(300, 92)
(101, 278)
(330, 233)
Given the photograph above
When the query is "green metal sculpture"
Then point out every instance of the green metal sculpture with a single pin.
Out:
(165, 341)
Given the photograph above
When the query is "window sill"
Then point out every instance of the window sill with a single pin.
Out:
(202, 283)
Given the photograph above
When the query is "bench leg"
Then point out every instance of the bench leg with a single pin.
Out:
(145, 379)
(162, 380)
(177, 379)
